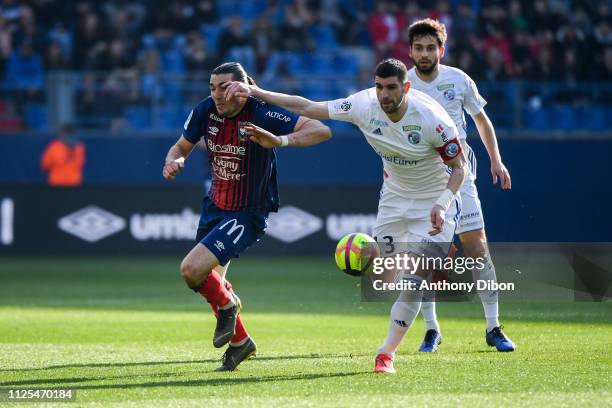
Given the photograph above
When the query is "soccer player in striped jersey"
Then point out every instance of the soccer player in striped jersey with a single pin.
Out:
(457, 92)
(244, 190)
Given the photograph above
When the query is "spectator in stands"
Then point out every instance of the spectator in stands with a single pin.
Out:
(6, 43)
(198, 57)
(235, 35)
(298, 18)
(383, 28)
(265, 41)
(25, 70)
(63, 159)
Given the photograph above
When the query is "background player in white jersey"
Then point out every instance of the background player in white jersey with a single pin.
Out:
(456, 92)
(416, 140)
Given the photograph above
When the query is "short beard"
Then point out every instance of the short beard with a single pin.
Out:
(426, 71)
(393, 109)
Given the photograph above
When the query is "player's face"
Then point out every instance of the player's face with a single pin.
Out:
(390, 93)
(426, 53)
(226, 108)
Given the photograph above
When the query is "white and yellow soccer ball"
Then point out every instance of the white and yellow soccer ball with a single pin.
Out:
(355, 253)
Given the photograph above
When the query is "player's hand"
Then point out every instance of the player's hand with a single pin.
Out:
(238, 89)
(499, 170)
(437, 220)
(261, 136)
(173, 168)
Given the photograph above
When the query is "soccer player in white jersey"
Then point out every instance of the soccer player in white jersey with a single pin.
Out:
(456, 92)
(416, 140)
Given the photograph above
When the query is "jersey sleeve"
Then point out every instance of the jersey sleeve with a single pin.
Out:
(473, 102)
(192, 129)
(275, 119)
(350, 109)
(443, 136)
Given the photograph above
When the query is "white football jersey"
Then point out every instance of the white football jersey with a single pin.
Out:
(413, 149)
(454, 90)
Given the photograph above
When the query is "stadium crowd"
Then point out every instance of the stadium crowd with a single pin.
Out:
(134, 41)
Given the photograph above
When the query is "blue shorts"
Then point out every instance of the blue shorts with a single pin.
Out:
(228, 233)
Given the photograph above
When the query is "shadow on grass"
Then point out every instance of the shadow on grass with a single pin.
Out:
(218, 380)
(155, 363)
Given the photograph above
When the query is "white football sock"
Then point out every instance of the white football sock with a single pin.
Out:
(489, 298)
(404, 311)
(428, 310)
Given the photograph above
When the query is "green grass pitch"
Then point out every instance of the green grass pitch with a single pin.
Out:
(127, 332)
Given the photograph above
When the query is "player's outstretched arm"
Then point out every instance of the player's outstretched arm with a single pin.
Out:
(175, 159)
(307, 132)
(293, 103)
(487, 135)
(457, 176)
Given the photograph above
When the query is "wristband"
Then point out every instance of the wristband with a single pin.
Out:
(284, 141)
(445, 199)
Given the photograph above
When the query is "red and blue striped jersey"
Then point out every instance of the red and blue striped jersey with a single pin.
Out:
(243, 172)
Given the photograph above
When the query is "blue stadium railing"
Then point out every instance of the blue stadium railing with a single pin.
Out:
(144, 103)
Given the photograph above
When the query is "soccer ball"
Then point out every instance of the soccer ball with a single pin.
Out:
(355, 253)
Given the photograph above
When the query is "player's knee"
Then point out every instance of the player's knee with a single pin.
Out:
(474, 243)
(190, 273)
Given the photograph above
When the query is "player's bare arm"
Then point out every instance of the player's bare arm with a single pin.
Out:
(294, 103)
(175, 159)
(487, 135)
(307, 132)
(457, 176)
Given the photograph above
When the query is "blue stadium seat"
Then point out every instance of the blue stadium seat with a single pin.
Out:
(36, 117)
(243, 55)
(346, 64)
(535, 119)
(138, 117)
(563, 117)
(211, 32)
(324, 36)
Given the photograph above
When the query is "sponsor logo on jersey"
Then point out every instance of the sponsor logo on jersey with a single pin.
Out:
(378, 122)
(346, 106)
(377, 131)
(408, 128)
(414, 137)
(442, 87)
(449, 94)
(396, 160)
(451, 149)
(215, 117)
(228, 148)
(439, 128)
(444, 137)
(279, 116)
(213, 130)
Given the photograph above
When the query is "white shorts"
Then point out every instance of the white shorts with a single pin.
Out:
(403, 220)
(471, 211)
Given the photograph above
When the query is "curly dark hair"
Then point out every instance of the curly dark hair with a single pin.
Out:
(425, 27)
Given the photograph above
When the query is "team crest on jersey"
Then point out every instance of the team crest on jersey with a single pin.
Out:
(452, 149)
(449, 94)
(414, 137)
(346, 106)
(242, 135)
